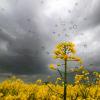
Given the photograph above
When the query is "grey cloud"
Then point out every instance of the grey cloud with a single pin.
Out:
(5, 36)
(89, 15)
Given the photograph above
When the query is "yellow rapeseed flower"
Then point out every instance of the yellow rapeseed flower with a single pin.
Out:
(52, 66)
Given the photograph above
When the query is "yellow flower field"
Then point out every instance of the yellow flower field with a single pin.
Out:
(16, 89)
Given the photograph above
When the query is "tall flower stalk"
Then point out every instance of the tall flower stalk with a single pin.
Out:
(66, 52)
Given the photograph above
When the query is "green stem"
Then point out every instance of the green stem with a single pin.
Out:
(65, 81)
(60, 74)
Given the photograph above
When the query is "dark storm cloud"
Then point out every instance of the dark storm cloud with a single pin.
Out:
(29, 29)
(24, 54)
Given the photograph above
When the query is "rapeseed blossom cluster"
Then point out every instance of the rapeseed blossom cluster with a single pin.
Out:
(66, 51)
(62, 47)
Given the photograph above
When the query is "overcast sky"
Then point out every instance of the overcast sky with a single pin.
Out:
(29, 30)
